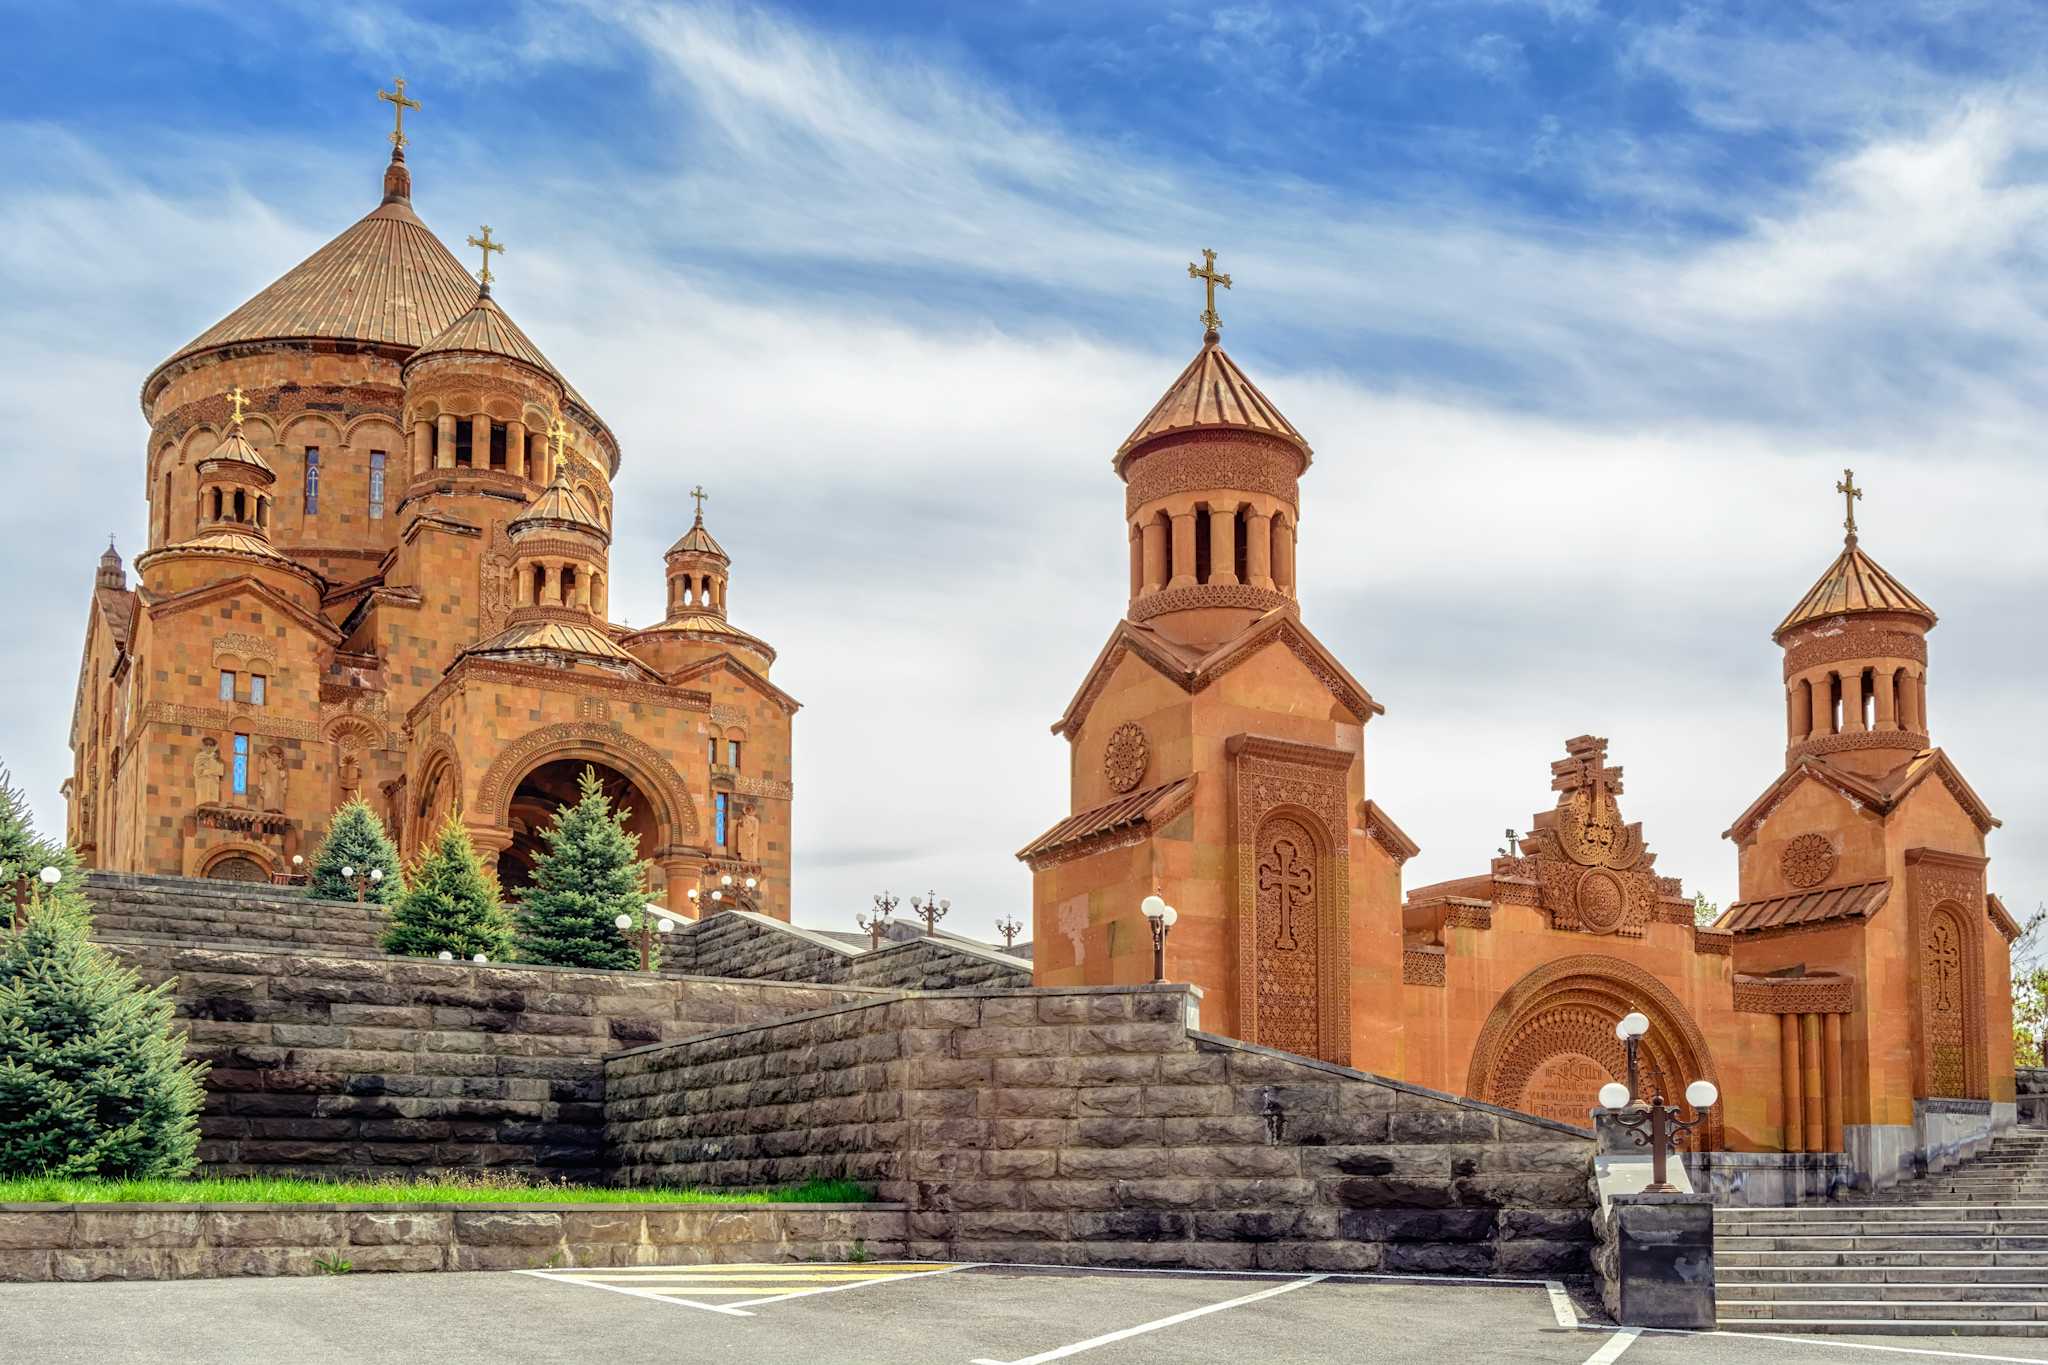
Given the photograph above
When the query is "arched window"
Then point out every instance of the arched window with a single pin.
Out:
(312, 480)
(216, 505)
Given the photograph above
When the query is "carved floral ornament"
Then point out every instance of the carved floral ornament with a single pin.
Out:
(1126, 756)
(1808, 860)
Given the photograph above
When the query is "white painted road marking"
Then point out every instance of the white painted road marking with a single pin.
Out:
(1790, 1338)
(1561, 1304)
(1063, 1352)
(1611, 1349)
(689, 1285)
(857, 1284)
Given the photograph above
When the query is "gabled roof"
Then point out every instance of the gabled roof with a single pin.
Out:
(2001, 918)
(1802, 908)
(1113, 824)
(1213, 393)
(486, 330)
(1875, 797)
(1854, 583)
(692, 672)
(319, 626)
(1193, 671)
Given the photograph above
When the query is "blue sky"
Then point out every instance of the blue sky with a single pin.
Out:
(1584, 306)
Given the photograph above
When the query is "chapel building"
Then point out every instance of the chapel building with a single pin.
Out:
(380, 523)
(1854, 1007)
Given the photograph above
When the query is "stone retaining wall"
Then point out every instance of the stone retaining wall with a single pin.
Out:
(1090, 1126)
(190, 910)
(181, 1242)
(736, 943)
(387, 1065)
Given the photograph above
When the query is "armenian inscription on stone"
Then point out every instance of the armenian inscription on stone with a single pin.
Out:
(1564, 1087)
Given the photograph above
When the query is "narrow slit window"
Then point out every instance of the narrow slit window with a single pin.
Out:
(721, 824)
(463, 453)
(241, 765)
(227, 684)
(376, 484)
(312, 480)
(732, 754)
(259, 688)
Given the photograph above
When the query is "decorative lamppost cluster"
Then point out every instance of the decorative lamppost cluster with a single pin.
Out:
(874, 925)
(363, 880)
(297, 876)
(1655, 1125)
(727, 895)
(931, 910)
(650, 921)
(479, 959)
(1009, 928)
(24, 892)
(1161, 917)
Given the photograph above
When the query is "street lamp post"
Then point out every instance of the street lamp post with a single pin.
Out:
(649, 921)
(1161, 917)
(931, 910)
(1009, 928)
(873, 925)
(363, 880)
(24, 894)
(1658, 1126)
(727, 895)
(1630, 1030)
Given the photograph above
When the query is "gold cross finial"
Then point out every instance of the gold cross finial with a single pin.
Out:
(484, 275)
(238, 402)
(699, 494)
(399, 104)
(558, 437)
(1211, 323)
(1850, 492)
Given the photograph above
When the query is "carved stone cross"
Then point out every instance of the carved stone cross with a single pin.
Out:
(1285, 871)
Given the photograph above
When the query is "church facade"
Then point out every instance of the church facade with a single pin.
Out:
(379, 565)
(1854, 1007)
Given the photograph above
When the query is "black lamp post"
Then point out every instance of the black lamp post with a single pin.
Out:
(727, 895)
(1161, 917)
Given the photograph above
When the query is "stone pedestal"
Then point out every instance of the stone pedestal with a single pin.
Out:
(1655, 1260)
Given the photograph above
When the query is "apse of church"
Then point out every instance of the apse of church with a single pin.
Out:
(379, 565)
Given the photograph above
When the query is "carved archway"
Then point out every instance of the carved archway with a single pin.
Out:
(1554, 1031)
(667, 794)
(550, 786)
(238, 862)
(438, 791)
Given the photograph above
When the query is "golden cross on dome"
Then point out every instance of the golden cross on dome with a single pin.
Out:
(238, 401)
(1850, 492)
(484, 275)
(558, 436)
(699, 494)
(1210, 279)
(399, 104)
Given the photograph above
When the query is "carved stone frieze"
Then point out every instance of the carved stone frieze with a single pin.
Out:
(1854, 644)
(1202, 460)
(1808, 860)
(1422, 965)
(1126, 756)
(238, 644)
(1794, 994)
(772, 788)
(670, 794)
(1866, 739)
(1207, 595)
(247, 720)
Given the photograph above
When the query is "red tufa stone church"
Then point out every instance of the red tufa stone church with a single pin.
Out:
(378, 565)
(1854, 1007)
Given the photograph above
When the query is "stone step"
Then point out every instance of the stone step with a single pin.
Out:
(1748, 1257)
(1929, 1212)
(1735, 1236)
(1886, 1242)
(1870, 1328)
(1886, 1291)
(1858, 1273)
(1903, 1310)
(231, 945)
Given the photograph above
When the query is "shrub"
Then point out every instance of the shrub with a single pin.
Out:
(450, 902)
(356, 838)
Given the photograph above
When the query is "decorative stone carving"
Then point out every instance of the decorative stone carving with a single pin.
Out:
(651, 770)
(1854, 644)
(1942, 1002)
(1808, 860)
(1126, 756)
(747, 834)
(1201, 460)
(348, 776)
(1422, 964)
(495, 596)
(1209, 595)
(207, 771)
(1602, 901)
(1793, 994)
(1287, 936)
(271, 775)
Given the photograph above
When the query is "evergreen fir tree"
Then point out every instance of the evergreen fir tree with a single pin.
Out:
(450, 903)
(23, 852)
(93, 1080)
(356, 838)
(588, 876)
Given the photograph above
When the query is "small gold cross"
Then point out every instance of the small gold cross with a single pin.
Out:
(239, 402)
(399, 104)
(699, 494)
(1210, 279)
(484, 275)
(558, 436)
(1850, 492)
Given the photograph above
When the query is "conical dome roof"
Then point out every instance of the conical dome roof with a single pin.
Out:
(235, 449)
(1854, 583)
(386, 280)
(486, 330)
(557, 505)
(697, 540)
(1212, 392)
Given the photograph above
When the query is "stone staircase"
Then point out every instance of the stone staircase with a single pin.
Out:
(1961, 1253)
(128, 908)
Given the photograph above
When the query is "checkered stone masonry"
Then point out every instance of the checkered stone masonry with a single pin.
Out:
(1090, 1127)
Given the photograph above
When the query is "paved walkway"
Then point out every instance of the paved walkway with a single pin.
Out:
(900, 1313)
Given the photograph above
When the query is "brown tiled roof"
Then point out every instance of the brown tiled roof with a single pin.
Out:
(559, 637)
(1801, 908)
(235, 449)
(704, 623)
(1132, 815)
(386, 279)
(1212, 392)
(1854, 583)
(558, 504)
(486, 330)
(697, 540)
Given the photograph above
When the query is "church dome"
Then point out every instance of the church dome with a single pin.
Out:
(386, 281)
(1213, 394)
(559, 507)
(235, 449)
(1854, 584)
(486, 330)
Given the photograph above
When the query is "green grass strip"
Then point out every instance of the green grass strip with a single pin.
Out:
(436, 1189)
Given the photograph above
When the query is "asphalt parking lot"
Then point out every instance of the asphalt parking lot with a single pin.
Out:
(903, 1314)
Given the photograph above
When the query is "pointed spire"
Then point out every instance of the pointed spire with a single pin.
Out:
(111, 573)
(397, 179)
(1855, 582)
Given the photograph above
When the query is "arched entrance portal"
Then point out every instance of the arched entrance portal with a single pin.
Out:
(1549, 1044)
(549, 787)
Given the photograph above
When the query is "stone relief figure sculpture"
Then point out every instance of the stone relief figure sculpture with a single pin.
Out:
(749, 835)
(351, 776)
(207, 770)
(270, 779)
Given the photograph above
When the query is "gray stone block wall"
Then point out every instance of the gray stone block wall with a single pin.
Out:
(195, 911)
(936, 964)
(362, 1066)
(755, 947)
(1089, 1126)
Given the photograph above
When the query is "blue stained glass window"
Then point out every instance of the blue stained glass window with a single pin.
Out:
(376, 483)
(227, 685)
(720, 822)
(241, 765)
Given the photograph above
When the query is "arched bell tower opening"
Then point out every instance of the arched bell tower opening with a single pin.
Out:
(549, 787)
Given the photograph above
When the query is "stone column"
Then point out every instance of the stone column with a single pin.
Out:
(422, 445)
(480, 441)
(599, 596)
(444, 432)
(1788, 1080)
(1810, 1079)
(1823, 707)
(1852, 702)
(1283, 556)
(1920, 702)
(1796, 713)
(1909, 705)
(1183, 550)
(522, 587)
(550, 583)
(1258, 548)
(1137, 551)
(1223, 543)
(1831, 1078)
(1885, 681)
(515, 446)
(1153, 533)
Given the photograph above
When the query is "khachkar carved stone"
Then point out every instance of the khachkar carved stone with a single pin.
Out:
(1943, 1006)
(1288, 808)
(1947, 898)
(207, 771)
(1126, 756)
(1808, 860)
(1580, 861)
(494, 583)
